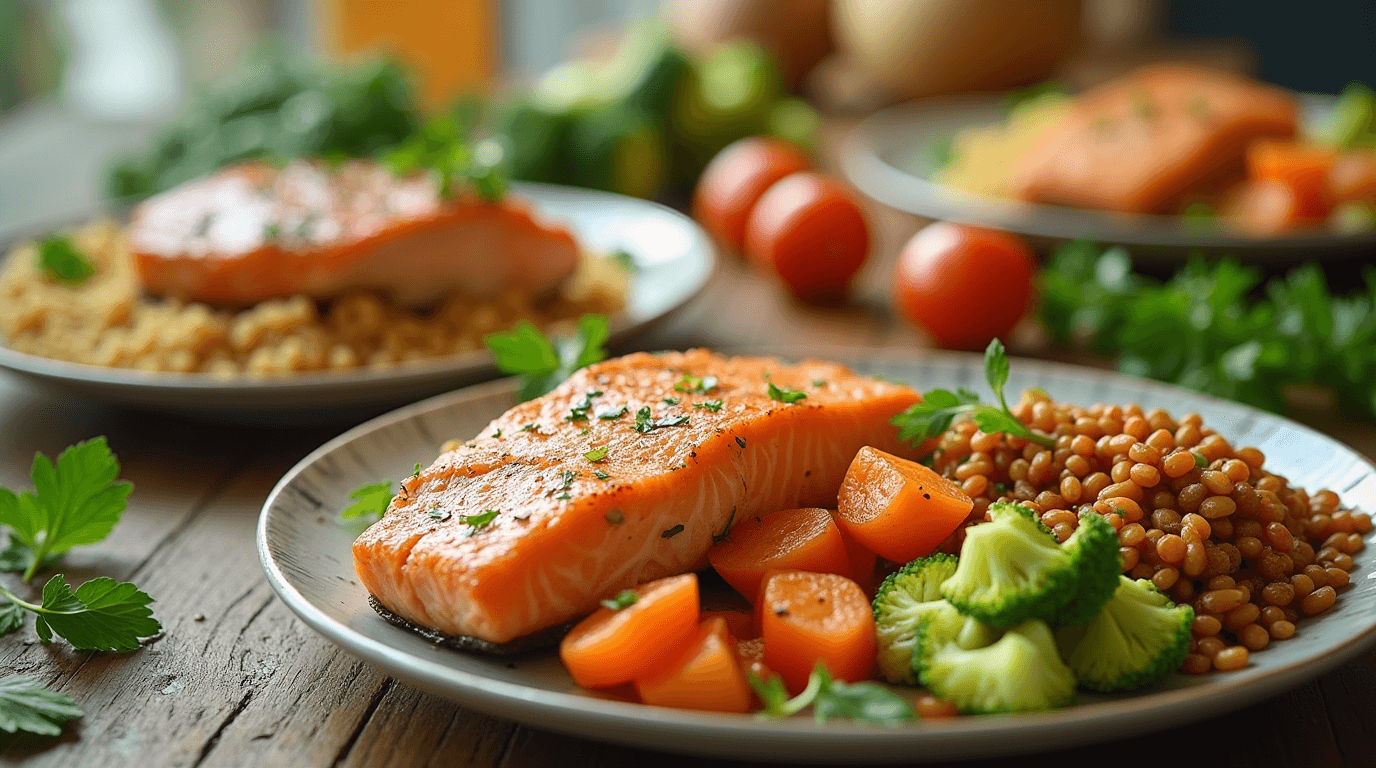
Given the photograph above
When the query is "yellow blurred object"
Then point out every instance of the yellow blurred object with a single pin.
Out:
(983, 156)
(450, 45)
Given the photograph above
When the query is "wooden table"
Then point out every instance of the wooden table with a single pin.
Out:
(236, 680)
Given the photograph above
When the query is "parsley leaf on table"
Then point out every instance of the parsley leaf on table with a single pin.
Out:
(940, 407)
(525, 352)
(100, 615)
(60, 261)
(11, 618)
(27, 707)
(74, 503)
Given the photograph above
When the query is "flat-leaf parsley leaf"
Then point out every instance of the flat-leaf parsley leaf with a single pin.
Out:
(27, 707)
(624, 599)
(541, 365)
(789, 396)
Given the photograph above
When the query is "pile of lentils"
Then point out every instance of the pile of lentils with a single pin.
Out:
(1203, 520)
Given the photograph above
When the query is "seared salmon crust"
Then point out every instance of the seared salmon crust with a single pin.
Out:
(625, 473)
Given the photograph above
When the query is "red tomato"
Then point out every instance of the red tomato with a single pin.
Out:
(809, 231)
(964, 285)
(735, 179)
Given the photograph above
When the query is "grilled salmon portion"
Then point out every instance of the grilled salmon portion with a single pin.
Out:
(1138, 144)
(625, 473)
(253, 232)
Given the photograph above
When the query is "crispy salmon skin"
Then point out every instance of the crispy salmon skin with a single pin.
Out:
(626, 472)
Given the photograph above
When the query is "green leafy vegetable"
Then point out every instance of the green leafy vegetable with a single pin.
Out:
(624, 599)
(61, 262)
(596, 454)
(711, 405)
(789, 396)
(480, 520)
(867, 702)
(27, 707)
(697, 385)
(101, 615)
(74, 503)
(369, 501)
(525, 352)
(940, 407)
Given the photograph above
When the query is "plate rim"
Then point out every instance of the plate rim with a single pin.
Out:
(476, 362)
(942, 739)
(862, 163)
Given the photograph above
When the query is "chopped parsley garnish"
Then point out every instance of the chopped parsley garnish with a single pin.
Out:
(600, 475)
(416, 472)
(672, 532)
(438, 514)
(563, 496)
(624, 259)
(596, 454)
(608, 413)
(1199, 460)
(584, 431)
(645, 424)
(789, 396)
(59, 260)
(862, 702)
(624, 599)
(530, 427)
(696, 385)
(819, 382)
(541, 364)
(479, 521)
(615, 517)
(711, 405)
(566, 479)
(671, 401)
(580, 410)
(496, 434)
(940, 407)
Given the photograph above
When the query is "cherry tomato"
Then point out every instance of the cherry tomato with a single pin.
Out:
(734, 181)
(808, 230)
(964, 285)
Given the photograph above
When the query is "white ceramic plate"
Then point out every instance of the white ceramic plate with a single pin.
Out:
(674, 259)
(307, 559)
(889, 157)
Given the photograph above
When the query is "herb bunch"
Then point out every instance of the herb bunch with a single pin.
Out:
(1207, 329)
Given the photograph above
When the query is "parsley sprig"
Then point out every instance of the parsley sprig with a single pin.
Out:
(26, 706)
(541, 364)
(862, 702)
(781, 395)
(940, 407)
(100, 615)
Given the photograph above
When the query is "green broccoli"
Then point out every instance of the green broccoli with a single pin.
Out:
(1013, 569)
(1019, 672)
(1095, 545)
(902, 603)
(1138, 638)
(940, 625)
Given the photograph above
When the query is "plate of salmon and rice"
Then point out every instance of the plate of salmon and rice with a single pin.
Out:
(831, 556)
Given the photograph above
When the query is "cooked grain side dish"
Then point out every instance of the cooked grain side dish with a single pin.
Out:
(107, 319)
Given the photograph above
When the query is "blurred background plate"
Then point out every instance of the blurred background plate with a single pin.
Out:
(673, 258)
(889, 156)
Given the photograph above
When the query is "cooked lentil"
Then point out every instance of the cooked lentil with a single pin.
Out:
(1205, 521)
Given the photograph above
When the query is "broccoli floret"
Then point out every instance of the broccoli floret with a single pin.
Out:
(1019, 672)
(1138, 638)
(1094, 544)
(942, 625)
(901, 604)
(1012, 569)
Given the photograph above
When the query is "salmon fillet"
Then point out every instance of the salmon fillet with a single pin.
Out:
(1140, 143)
(569, 527)
(254, 232)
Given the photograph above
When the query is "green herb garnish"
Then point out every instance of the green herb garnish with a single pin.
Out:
(530, 427)
(645, 424)
(940, 407)
(610, 414)
(711, 405)
(478, 521)
(369, 501)
(600, 475)
(624, 599)
(438, 514)
(671, 401)
(697, 385)
(541, 365)
(861, 702)
(100, 615)
(596, 454)
(624, 259)
(1199, 460)
(784, 395)
(27, 707)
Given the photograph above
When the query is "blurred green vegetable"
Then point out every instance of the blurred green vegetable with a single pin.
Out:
(1202, 329)
(1352, 123)
(276, 106)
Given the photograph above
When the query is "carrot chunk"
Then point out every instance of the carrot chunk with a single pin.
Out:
(898, 508)
(810, 617)
(862, 560)
(1301, 167)
(706, 675)
(790, 539)
(614, 646)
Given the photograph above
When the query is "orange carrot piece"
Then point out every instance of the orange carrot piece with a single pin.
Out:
(1265, 208)
(897, 508)
(611, 647)
(810, 617)
(1301, 167)
(790, 539)
(707, 675)
(741, 623)
(1353, 176)
(862, 560)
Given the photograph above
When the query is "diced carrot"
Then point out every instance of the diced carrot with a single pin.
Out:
(810, 617)
(1303, 168)
(611, 647)
(1353, 176)
(1264, 208)
(706, 675)
(862, 560)
(790, 539)
(741, 623)
(897, 508)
